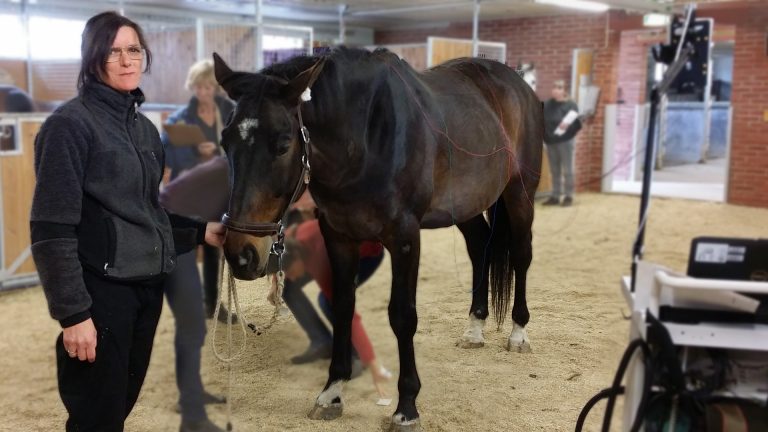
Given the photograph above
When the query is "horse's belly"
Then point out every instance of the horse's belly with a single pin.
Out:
(464, 186)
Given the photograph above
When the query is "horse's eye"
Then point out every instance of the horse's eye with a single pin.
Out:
(283, 144)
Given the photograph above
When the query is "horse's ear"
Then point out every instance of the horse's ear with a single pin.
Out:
(232, 82)
(518, 67)
(296, 89)
(532, 66)
(220, 68)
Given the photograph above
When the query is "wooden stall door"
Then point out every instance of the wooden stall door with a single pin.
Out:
(18, 180)
(545, 182)
(443, 49)
(414, 54)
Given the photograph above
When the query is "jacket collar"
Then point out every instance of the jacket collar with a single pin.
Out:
(118, 101)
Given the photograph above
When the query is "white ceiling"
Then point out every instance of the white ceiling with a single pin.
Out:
(379, 14)
(401, 13)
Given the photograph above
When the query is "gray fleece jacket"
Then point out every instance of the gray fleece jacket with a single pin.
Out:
(99, 163)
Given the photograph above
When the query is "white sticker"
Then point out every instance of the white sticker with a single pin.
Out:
(711, 253)
(736, 253)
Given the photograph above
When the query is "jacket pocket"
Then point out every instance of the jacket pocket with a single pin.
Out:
(111, 244)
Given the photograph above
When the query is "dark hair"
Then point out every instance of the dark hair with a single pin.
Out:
(99, 33)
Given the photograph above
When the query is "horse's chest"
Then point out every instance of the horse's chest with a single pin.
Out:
(357, 222)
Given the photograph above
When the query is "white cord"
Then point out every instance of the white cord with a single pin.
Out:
(280, 310)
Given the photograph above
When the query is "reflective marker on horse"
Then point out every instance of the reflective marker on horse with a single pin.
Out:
(392, 151)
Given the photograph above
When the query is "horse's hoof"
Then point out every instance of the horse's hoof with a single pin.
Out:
(329, 412)
(469, 343)
(518, 340)
(519, 346)
(400, 424)
(473, 335)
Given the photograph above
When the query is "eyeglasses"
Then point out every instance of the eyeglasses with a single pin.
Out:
(134, 52)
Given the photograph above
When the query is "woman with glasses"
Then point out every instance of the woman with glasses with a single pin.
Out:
(561, 123)
(101, 242)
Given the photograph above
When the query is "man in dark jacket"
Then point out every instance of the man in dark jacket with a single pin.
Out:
(561, 123)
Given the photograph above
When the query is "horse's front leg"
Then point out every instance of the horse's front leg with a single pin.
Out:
(404, 246)
(343, 254)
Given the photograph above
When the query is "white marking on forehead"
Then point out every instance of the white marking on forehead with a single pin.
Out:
(247, 124)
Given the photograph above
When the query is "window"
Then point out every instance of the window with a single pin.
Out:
(272, 42)
(12, 29)
(55, 38)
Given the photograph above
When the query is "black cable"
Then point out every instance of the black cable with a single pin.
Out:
(635, 344)
(604, 393)
(617, 389)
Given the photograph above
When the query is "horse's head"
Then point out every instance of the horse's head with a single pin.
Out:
(264, 147)
(528, 72)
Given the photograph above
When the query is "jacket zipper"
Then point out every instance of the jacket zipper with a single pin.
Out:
(144, 188)
(145, 183)
(129, 129)
(111, 245)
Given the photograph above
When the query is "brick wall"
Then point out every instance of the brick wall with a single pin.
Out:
(549, 42)
(621, 48)
(630, 92)
(748, 183)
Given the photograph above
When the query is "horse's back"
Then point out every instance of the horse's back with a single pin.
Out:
(492, 136)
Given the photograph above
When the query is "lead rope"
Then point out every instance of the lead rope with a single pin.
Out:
(231, 297)
(280, 310)
(278, 248)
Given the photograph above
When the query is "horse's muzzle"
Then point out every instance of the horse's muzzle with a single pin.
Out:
(245, 264)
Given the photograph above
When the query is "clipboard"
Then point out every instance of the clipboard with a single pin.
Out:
(184, 135)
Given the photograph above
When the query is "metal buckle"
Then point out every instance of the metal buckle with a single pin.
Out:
(305, 134)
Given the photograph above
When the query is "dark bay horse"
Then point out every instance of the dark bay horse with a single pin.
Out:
(392, 151)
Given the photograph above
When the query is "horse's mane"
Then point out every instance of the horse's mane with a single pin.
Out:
(290, 68)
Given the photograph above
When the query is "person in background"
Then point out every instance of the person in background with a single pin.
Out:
(207, 109)
(12, 98)
(305, 260)
(101, 242)
(560, 126)
(183, 288)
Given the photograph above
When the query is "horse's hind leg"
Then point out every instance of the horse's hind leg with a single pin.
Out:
(520, 211)
(476, 233)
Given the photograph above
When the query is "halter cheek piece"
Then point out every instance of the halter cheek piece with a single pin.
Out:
(261, 229)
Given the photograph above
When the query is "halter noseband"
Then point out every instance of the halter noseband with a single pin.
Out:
(261, 229)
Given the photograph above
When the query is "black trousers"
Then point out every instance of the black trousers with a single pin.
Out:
(99, 396)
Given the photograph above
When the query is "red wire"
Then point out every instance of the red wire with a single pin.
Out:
(511, 155)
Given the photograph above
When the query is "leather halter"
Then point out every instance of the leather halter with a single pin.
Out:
(261, 229)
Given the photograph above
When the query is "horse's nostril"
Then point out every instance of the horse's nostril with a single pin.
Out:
(248, 257)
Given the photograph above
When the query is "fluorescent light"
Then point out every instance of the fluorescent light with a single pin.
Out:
(655, 20)
(584, 5)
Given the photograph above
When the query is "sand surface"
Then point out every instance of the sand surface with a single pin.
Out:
(577, 332)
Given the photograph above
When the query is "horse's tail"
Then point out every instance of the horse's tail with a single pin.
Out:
(502, 271)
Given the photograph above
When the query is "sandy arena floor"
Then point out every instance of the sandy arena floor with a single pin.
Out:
(577, 333)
